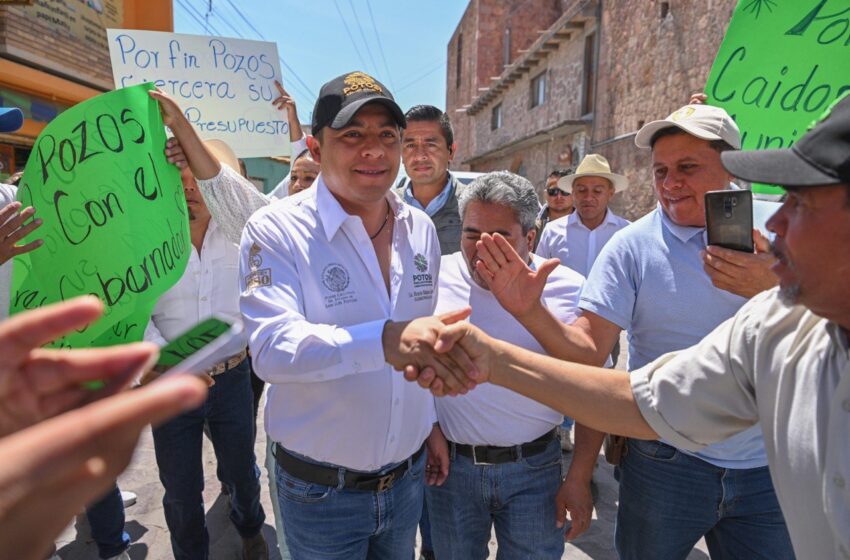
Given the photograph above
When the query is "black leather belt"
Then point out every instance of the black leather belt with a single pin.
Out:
(329, 476)
(491, 455)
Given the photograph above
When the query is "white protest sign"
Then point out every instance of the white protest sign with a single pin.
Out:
(224, 86)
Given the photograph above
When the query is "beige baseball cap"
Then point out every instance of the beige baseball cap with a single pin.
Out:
(703, 121)
(594, 165)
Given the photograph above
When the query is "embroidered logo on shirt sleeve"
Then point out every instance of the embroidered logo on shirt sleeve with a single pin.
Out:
(258, 277)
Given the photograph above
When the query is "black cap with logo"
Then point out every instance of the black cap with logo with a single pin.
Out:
(820, 157)
(342, 97)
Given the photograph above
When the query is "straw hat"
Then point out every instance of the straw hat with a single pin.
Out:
(223, 153)
(594, 165)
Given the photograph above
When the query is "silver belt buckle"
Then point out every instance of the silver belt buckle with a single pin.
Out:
(475, 460)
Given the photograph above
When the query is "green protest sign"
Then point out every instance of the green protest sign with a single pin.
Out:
(114, 216)
(781, 64)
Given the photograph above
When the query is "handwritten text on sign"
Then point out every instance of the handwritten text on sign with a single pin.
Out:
(225, 86)
(114, 213)
(780, 66)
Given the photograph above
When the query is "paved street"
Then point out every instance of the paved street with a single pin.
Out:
(146, 523)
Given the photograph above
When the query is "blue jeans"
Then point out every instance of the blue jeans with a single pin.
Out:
(519, 498)
(106, 518)
(425, 528)
(336, 523)
(669, 500)
(229, 412)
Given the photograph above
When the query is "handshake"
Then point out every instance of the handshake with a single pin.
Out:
(444, 353)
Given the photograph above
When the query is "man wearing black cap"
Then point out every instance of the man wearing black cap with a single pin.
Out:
(782, 362)
(327, 273)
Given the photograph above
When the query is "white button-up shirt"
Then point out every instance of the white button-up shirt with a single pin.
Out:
(315, 304)
(788, 370)
(210, 285)
(577, 247)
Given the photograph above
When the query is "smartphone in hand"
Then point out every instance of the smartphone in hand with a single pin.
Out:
(729, 219)
(194, 350)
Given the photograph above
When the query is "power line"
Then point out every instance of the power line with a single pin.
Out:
(260, 35)
(350, 36)
(380, 46)
(196, 15)
(363, 36)
(421, 77)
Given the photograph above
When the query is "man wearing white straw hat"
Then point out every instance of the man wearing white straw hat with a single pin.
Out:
(577, 238)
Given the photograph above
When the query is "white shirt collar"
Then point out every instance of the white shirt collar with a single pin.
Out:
(574, 219)
(333, 215)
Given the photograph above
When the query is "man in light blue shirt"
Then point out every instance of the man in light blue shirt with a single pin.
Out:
(651, 280)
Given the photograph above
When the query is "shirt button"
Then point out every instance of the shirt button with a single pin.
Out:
(356, 366)
(204, 298)
(838, 480)
(392, 438)
(846, 405)
(395, 402)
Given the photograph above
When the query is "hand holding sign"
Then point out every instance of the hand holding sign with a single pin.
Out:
(115, 220)
(15, 227)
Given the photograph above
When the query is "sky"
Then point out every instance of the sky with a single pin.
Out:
(402, 43)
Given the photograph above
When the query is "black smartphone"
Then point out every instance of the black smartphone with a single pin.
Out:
(729, 219)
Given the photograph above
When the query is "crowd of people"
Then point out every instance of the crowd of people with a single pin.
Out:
(423, 346)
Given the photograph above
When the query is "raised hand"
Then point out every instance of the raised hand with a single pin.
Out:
(37, 383)
(14, 229)
(284, 102)
(171, 112)
(52, 470)
(516, 285)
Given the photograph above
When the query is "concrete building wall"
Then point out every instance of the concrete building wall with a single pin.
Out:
(651, 56)
(648, 66)
(481, 36)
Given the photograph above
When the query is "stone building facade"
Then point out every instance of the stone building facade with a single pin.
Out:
(608, 66)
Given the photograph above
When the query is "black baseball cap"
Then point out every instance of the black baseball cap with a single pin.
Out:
(820, 157)
(342, 97)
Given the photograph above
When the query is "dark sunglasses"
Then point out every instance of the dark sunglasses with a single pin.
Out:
(554, 191)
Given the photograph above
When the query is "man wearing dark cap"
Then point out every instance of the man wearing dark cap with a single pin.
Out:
(327, 274)
(781, 363)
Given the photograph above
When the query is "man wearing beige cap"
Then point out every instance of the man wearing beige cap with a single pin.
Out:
(577, 238)
(651, 280)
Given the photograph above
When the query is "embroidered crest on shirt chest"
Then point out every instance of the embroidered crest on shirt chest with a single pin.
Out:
(336, 279)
